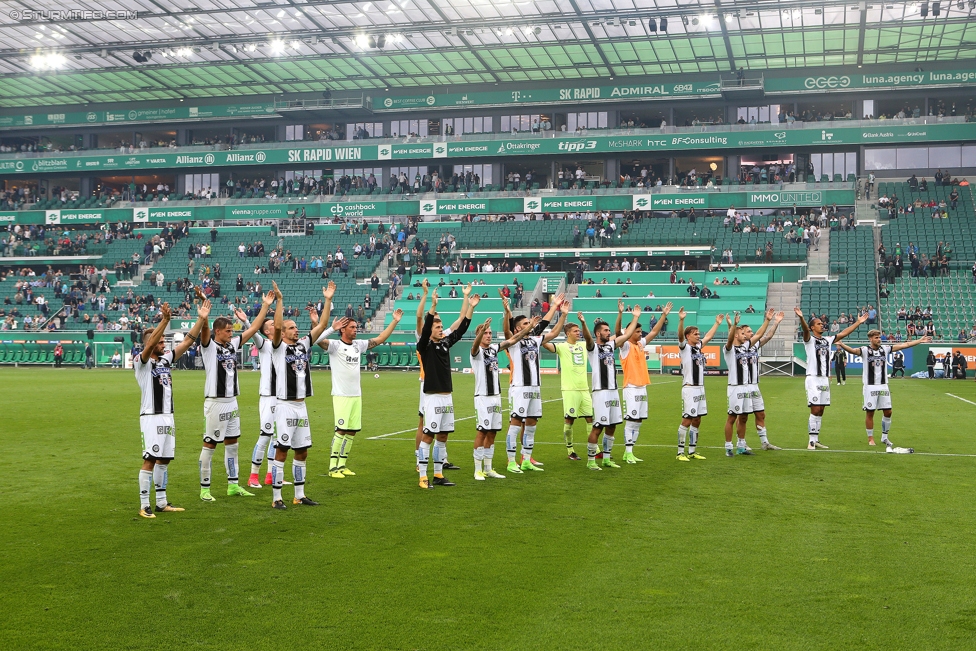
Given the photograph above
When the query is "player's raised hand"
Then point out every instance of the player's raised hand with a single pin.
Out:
(268, 298)
(667, 309)
(797, 311)
(737, 317)
(480, 330)
(199, 293)
(564, 307)
(620, 306)
(862, 318)
(681, 312)
(426, 286)
(239, 313)
(718, 318)
(474, 299)
(926, 339)
(277, 292)
(165, 311)
(636, 311)
(559, 298)
(329, 290)
(397, 315)
(728, 321)
(769, 314)
(779, 316)
(467, 290)
(580, 317)
(340, 322)
(204, 309)
(433, 299)
(534, 322)
(313, 315)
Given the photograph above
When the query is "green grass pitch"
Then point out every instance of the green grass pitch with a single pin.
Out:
(846, 549)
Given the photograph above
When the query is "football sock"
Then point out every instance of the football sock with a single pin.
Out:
(568, 436)
(206, 457)
(479, 455)
(682, 433)
(298, 474)
(819, 420)
(692, 439)
(812, 424)
(230, 462)
(870, 433)
(438, 458)
(762, 434)
(145, 484)
(728, 445)
(423, 456)
(741, 443)
(277, 478)
(344, 450)
(257, 456)
(885, 427)
(336, 446)
(489, 454)
(528, 442)
(511, 441)
(607, 445)
(631, 432)
(160, 479)
(591, 450)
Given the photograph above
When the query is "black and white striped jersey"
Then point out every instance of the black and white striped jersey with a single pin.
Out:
(268, 386)
(692, 364)
(602, 367)
(743, 364)
(293, 375)
(874, 364)
(220, 366)
(526, 354)
(818, 355)
(156, 384)
(484, 365)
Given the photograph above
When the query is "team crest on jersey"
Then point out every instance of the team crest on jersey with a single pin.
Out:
(693, 411)
(815, 399)
(229, 365)
(155, 448)
(572, 410)
(870, 405)
(342, 422)
(737, 408)
(433, 425)
(487, 422)
(299, 365)
(283, 438)
(267, 426)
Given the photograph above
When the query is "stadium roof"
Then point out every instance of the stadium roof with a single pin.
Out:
(227, 48)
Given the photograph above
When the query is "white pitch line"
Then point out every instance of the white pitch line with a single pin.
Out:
(963, 399)
(458, 420)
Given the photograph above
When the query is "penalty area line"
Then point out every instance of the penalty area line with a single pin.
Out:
(952, 395)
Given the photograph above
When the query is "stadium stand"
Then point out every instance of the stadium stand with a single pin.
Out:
(852, 259)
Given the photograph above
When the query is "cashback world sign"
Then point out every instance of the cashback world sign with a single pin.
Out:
(136, 115)
(826, 134)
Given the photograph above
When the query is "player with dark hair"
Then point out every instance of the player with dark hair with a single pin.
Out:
(152, 369)
(818, 369)
(222, 416)
(577, 399)
(693, 364)
(874, 376)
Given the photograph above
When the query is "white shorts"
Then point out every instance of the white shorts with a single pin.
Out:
(423, 396)
(635, 403)
(741, 399)
(266, 408)
(489, 410)
(291, 419)
(158, 436)
(606, 408)
(438, 413)
(525, 402)
(223, 419)
(693, 402)
(818, 391)
(877, 396)
(757, 400)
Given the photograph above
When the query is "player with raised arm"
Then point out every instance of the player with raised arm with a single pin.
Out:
(290, 355)
(633, 361)
(421, 309)
(577, 400)
(222, 416)
(347, 394)
(525, 388)
(693, 363)
(742, 359)
(874, 376)
(263, 332)
(818, 369)
(152, 369)
(488, 395)
(606, 399)
(435, 352)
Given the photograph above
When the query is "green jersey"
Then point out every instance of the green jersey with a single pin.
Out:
(572, 366)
